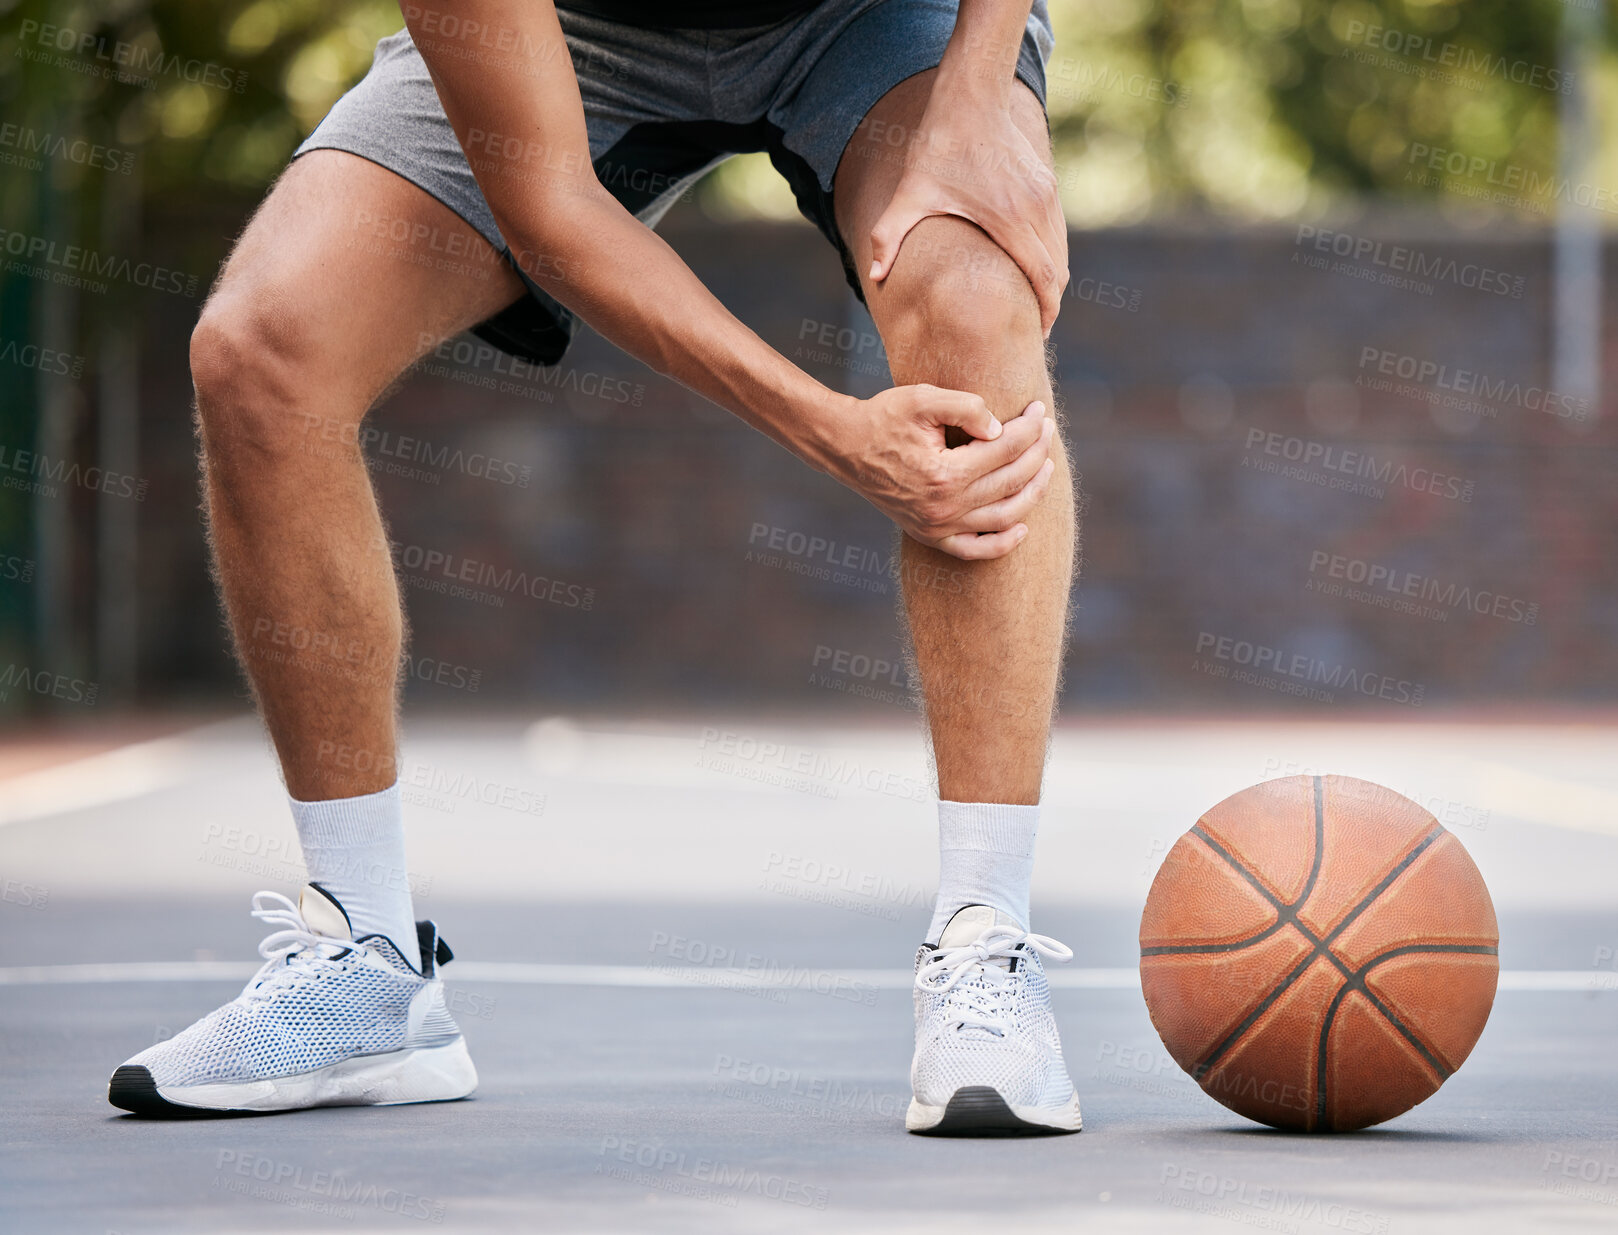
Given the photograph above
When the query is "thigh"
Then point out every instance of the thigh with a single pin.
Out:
(348, 273)
(873, 163)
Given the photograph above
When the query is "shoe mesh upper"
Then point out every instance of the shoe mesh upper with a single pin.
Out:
(305, 1015)
(1024, 1062)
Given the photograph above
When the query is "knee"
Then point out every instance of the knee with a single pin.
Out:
(956, 306)
(252, 372)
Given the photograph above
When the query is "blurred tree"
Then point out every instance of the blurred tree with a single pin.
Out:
(1251, 108)
(1272, 108)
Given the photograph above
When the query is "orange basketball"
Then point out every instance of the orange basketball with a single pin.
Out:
(1319, 953)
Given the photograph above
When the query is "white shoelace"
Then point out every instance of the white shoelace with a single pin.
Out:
(978, 1004)
(295, 938)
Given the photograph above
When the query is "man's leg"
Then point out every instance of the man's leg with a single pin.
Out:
(311, 320)
(988, 636)
(956, 312)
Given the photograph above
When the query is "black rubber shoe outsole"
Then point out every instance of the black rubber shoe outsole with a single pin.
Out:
(980, 1111)
(133, 1089)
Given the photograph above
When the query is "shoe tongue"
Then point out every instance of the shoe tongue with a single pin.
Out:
(324, 914)
(971, 922)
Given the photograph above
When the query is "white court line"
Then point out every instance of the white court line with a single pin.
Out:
(683, 977)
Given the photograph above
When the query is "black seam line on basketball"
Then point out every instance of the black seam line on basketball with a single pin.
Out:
(1437, 1065)
(1283, 912)
(1320, 1057)
(1320, 844)
(1281, 917)
(1357, 982)
(1415, 949)
(1187, 949)
(1387, 880)
(1203, 1067)
(1465, 949)
(1320, 946)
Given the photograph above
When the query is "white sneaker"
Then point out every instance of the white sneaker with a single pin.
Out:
(988, 1057)
(328, 1021)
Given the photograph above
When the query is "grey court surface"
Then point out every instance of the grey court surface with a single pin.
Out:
(682, 970)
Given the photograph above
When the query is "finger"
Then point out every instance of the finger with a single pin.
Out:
(902, 214)
(1057, 239)
(1018, 436)
(1025, 245)
(971, 547)
(1005, 481)
(1038, 262)
(962, 410)
(1011, 510)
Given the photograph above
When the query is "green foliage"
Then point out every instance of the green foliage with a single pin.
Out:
(1272, 108)
(1247, 108)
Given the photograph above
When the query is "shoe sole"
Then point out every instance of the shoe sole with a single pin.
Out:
(423, 1074)
(979, 1110)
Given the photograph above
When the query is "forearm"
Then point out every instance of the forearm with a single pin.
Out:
(502, 68)
(623, 279)
(981, 58)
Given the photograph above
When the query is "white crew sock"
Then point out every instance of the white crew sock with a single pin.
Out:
(354, 847)
(985, 857)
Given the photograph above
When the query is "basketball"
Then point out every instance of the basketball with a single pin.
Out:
(1319, 953)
